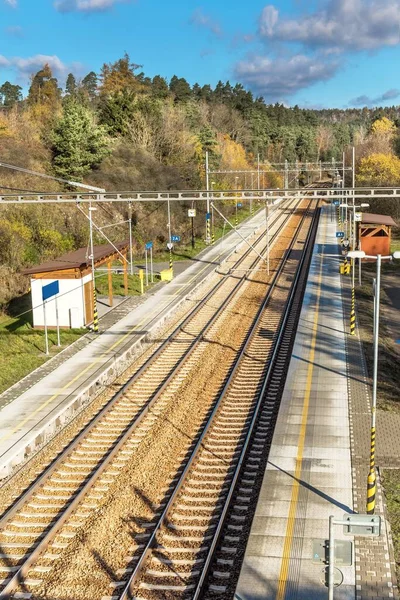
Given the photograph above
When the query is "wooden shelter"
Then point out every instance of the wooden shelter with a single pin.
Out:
(375, 233)
(73, 271)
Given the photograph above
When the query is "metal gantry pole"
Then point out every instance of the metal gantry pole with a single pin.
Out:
(95, 314)
(267, 231)
(258, 171)
(169, 236)
(208, 237)
(130, 236)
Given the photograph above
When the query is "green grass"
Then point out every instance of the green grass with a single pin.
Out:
(391, 488)
(22, 347)
(184, 251)
(118, 284)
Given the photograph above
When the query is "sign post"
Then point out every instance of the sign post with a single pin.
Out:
(45, 328)
(48, 291)
(149, 246)
(147, 271)
(58, 323)
(191, 215)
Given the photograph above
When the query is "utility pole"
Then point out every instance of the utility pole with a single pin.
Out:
(258, 171)
(130, 235)
(208, 202)
(95, 315)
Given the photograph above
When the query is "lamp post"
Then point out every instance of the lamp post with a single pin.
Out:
(95, 315)
(371, 486)
(208, 201)
(212, 213)
(236, 203)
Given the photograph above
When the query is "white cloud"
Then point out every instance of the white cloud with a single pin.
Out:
(368, 101)
(27, 66)
(200, 19)
(268, 20)
(85, 5)
(276, 79)
(341, 25)
(12, 3)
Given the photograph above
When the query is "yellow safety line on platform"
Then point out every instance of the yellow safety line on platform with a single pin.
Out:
(117, 343)
(283, 575)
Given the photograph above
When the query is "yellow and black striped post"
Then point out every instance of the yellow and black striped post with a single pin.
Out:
(208, 228)
(345, 270)
(339, 218)
(95, 313)
(170, 258)
(212, 226)
(353, 312)
(371, 485)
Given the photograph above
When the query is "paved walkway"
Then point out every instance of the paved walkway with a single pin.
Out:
(318, 462)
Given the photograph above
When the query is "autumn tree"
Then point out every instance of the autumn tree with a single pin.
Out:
(119, 77)
(44, 88)
(78, 144)
(379, 170)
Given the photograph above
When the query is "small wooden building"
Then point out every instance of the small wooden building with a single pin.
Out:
(375, 233)
(73, 271)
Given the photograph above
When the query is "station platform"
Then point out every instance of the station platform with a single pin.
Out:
(309, 471)
(30, 416)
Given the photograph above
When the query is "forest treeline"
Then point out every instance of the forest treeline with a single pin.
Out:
(120, 129)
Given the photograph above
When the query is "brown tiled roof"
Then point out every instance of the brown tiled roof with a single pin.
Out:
(378, 219)
(78, 259)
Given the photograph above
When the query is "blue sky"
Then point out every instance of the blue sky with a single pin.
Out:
(334, 53)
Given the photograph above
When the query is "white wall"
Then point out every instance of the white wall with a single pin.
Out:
(70, 302)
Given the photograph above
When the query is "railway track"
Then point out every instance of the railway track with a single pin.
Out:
(227, 456)
(48, 514)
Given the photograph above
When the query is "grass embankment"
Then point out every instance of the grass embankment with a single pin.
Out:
(22, 348)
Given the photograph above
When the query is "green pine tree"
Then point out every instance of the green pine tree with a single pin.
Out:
(78, 143)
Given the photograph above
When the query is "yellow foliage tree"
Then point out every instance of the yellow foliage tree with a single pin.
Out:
(379, 169)
(383, 126)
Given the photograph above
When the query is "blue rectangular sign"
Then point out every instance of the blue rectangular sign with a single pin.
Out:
(149, 245)
(340, 234)
(49, 290)
(175, 238)
(239, 205)
(208, 216)
(336, 202)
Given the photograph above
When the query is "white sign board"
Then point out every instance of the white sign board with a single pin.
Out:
(170, 245)
(191, 212)
(358, 216)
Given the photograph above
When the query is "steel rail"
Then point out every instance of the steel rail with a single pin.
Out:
(98, 470)
(128, 590)
(271, 367)
(11, 512)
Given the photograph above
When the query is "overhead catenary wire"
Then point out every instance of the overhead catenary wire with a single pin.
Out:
(37, 174)
(13, 189)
